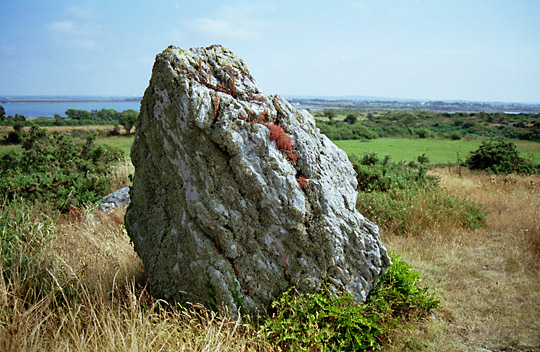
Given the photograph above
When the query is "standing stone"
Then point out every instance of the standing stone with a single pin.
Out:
(237, 195)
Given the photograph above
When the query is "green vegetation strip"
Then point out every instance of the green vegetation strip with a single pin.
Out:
(437, 150)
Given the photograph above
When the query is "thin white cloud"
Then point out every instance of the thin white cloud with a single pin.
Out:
(61, 27)
(360, 7)
(79, 31)
(240, 22)
(82, 12)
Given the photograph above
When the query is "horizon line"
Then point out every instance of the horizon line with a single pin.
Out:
(99, 98)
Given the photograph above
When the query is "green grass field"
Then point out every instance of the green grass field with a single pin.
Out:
(439, 151)
(122, 142)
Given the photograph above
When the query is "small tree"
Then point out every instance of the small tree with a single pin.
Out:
(2, 113)
(18, 126)
(13, 137)
(57, 120)
(127, 119)
(330, 114)
(351, 119)
(77, 114)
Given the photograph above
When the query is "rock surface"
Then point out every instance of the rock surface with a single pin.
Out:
(237, 195)
(116, 199)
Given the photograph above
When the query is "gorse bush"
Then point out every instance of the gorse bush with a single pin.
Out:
(53, 169)
(326, 322)
(500, 157)
(374, 174)
(404, 199)
(345, 130)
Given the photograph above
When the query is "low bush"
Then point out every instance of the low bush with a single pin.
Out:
(13, 137)
(500, 157)
(55, 170)
(326, 322)
(404, 199)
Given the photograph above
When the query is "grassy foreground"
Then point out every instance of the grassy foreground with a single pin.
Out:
(488, 281)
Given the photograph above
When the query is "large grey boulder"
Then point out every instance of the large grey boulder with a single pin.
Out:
(237, 195)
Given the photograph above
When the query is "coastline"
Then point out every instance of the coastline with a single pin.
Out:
(15, 101)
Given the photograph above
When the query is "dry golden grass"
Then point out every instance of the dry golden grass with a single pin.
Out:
(98, 302)
(488, 279)
(120, 174)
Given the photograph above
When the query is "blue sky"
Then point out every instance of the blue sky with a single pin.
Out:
(486, 50)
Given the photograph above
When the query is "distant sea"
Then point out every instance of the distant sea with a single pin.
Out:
(49, 108)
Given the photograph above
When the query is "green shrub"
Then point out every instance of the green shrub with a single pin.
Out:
(376, 175)
(404, 199)
(500, 157)
(13, 137)
(344, 130)
(55, 170)
(326, 322)
(455, 136)
(424, 133)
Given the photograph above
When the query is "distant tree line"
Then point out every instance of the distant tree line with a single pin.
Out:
(357, 124)
(74, 117)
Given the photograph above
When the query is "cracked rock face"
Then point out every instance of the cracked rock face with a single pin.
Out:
(237, 195)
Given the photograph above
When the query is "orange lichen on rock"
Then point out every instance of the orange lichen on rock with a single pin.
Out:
(265, 115)
(283, 141)
(258, 98)
(216, 105)
(302, 181)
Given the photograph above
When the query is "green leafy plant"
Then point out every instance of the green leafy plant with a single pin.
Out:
(236, 292)
(500, 157)
(56, 170)
(326, 322)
